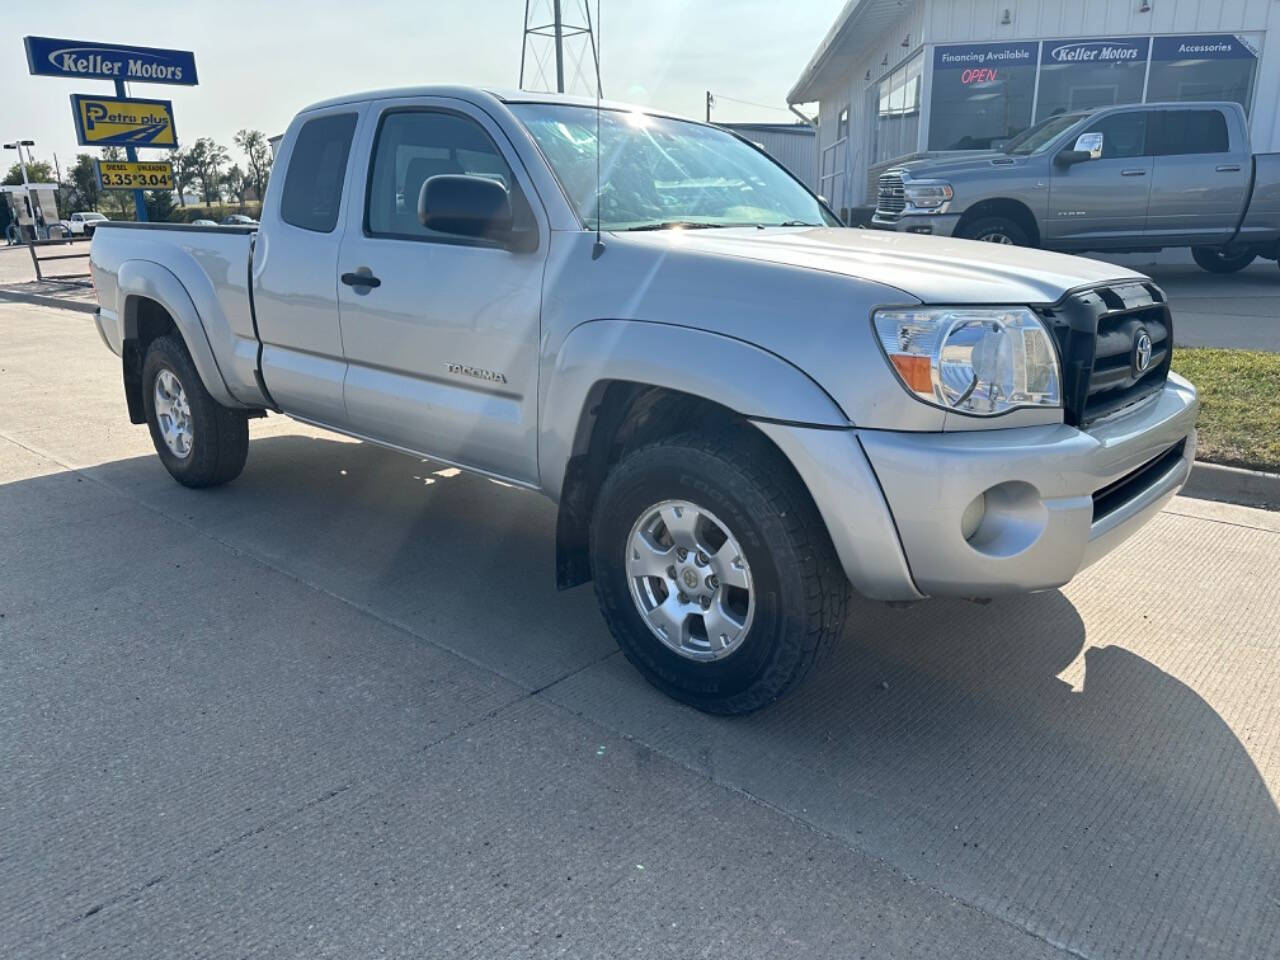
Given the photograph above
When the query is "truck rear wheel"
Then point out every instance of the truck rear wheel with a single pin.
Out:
(1222, 259)
(200, 442)
(995, 230)
(715, 572)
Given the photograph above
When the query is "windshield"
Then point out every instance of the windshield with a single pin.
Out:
(656, 172)
(1036, 138)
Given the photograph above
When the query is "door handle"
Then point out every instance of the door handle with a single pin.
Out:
(361, 280)
(1228, 168)
(1133, 173)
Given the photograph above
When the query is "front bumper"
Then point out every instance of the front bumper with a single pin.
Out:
(936, 224)
(1045, 516)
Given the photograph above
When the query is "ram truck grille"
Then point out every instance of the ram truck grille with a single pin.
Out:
(1116, 344)
(891, 198)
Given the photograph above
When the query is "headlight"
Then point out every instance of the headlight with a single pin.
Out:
(926, 194)
(976, 360)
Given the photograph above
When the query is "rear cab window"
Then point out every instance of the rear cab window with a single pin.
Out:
(1178, 133)
(317, 168)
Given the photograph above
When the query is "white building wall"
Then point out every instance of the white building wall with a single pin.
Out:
(974, 21)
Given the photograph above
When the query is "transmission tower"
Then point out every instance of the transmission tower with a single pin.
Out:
(551, 42)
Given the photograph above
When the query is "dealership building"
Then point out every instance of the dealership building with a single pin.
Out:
(901, 78)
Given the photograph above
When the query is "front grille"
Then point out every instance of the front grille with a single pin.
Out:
(1132, 485)
(891, 199)
(1098, 332)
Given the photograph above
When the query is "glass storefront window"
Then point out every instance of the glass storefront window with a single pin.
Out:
(1219, 67)
(1084, 74)
(898, 111)
(982, 94)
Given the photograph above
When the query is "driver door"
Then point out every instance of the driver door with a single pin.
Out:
(1099, 203)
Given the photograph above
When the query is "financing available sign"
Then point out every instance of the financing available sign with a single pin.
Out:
(134, 174)
(116, 121)
(81, 59)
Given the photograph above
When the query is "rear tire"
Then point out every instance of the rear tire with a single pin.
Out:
(200, 442)
(748, 503)
(1222, 259)
(995, 230)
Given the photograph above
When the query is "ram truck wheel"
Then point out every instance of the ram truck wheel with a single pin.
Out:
(1222, 259)
(995, 230)
(715, 572)
(200, 442)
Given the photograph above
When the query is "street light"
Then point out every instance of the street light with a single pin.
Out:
(18, 145)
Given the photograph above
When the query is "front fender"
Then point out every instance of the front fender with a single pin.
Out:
(138, 279)
(744, 378)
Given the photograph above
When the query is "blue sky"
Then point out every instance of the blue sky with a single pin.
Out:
(260, 61)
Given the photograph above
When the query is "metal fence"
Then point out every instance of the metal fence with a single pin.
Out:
(63, 244)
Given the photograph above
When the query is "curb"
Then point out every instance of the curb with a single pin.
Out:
(1252, 488)
(13, 296)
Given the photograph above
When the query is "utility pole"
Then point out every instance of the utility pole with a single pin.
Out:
(559, 25)
(710, 103)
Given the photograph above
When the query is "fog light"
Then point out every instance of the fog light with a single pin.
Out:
(919, 229)
(971, 519)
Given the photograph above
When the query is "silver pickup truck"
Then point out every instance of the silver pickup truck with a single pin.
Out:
(1124, 178)
(742, 410)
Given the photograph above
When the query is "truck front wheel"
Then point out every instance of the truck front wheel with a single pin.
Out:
(994, 230)
(715, 572)
(200, 442)
(1222, 259)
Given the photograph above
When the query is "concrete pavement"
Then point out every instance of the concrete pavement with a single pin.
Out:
(337, 708)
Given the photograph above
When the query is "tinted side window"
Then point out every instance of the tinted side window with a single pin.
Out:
(1181, 132)
(1123, 134)
(414, 145)
(313, 185)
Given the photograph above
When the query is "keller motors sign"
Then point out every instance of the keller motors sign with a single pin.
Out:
(49, 57)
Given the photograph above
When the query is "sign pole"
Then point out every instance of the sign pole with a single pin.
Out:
(139, 201)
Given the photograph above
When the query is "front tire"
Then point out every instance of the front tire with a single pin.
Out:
(995, 230)
(715, 572)
(1222, 259)
(200, 442)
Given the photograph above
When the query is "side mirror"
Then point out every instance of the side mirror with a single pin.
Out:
(1088, 146)
(465, 206)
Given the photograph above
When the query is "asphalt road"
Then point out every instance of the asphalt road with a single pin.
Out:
(337, 709)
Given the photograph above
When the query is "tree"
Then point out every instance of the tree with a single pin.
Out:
(37, 172)
(84, 183)
(159, 205)
(118, 202)
(183, 173)
(234, 182)
(257, 153)
(207, 159)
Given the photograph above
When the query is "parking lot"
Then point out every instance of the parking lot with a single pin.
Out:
(337, 708)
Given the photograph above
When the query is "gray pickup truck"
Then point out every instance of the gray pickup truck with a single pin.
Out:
(1126, 178)
(744, 411)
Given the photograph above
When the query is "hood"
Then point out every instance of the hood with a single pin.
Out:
(937, 270)
(981, 162)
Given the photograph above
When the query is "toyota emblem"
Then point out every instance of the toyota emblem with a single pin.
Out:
(1141, 351)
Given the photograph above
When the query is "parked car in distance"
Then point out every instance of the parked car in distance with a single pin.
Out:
(202, 222)
(238, 220)
(1127, 178)
(82, 223)
(743, 410)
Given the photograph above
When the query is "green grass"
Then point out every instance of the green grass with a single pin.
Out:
(1239, 421)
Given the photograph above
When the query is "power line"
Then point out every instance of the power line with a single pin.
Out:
(750, 103)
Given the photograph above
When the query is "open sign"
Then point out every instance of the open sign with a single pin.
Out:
(978, 75)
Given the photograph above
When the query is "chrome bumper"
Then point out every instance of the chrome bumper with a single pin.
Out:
(904, 536)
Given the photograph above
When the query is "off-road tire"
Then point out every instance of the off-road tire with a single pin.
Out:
(220, 436)
(985, 228)
(801, 591)
(1220, 260)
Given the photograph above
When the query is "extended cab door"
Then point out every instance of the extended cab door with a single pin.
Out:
(1200, 184)
(1103, 202)
(295, 264)
(442, 352)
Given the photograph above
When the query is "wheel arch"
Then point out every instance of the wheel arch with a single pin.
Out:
(1006, 207)
(617, 385)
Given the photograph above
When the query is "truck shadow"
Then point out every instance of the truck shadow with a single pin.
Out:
(1015, 755)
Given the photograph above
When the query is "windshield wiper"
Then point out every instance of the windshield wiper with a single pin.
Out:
(676, 225)
(792, 223)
